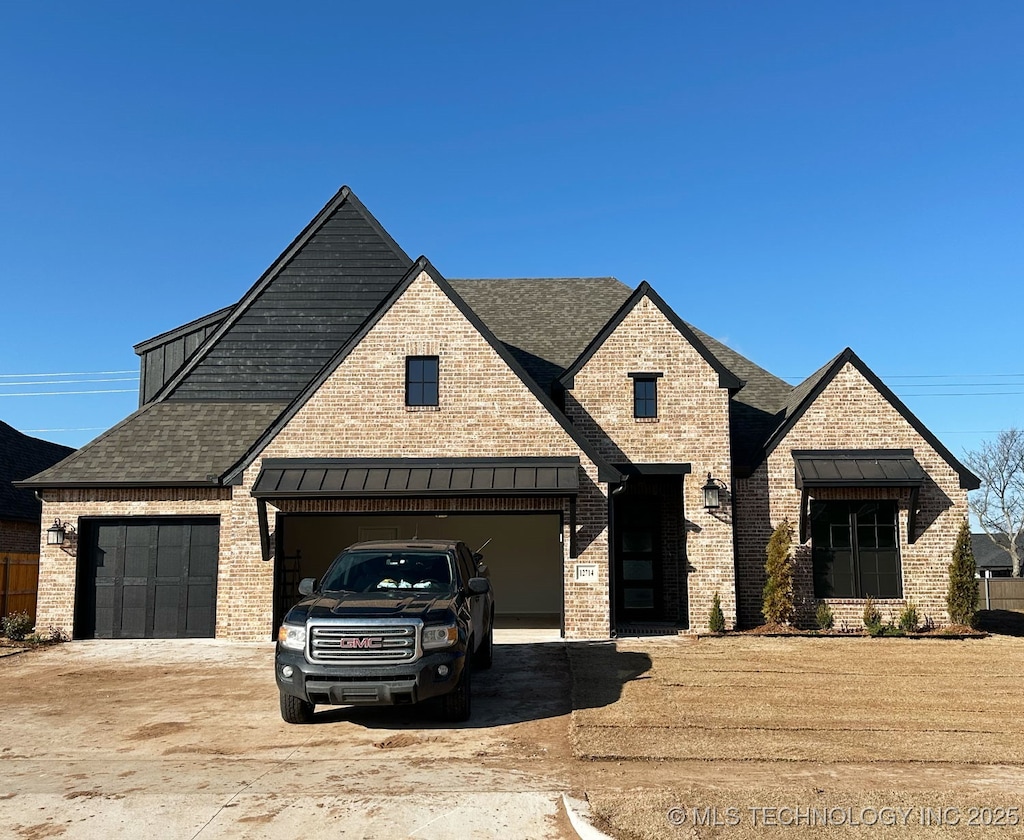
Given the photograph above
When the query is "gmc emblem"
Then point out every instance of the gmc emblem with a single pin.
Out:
(365, 643)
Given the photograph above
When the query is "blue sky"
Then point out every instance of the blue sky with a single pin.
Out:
(792, 177)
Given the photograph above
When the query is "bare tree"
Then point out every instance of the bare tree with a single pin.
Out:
(999, 503)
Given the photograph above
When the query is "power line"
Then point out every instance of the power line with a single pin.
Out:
(84, 373)
(71, 381)
(62, 393)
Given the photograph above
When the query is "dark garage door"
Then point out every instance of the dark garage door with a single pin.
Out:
(147, 578)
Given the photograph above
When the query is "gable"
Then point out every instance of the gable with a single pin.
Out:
(305, 307)
(861, 407)
(486, 407)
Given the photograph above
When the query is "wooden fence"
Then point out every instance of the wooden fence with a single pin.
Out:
(1001, 594)
(19, 580)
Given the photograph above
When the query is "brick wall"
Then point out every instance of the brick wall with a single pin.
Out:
(484, 410)
(692, 427)
(16, 535)
(848, 414)
(58, 564)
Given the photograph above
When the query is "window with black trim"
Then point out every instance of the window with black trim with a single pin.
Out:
(645, 395)
(855, 549)
(421, 380)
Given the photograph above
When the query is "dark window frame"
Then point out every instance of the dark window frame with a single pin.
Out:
(855, 549)
(422, 381)
(645, 405)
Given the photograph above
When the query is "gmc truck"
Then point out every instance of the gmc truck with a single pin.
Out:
(389, 623)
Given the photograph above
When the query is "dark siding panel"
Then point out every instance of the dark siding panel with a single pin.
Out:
(306, 314)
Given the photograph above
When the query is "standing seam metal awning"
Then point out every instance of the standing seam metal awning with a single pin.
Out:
(333, 478)
(337, 478)
(819, 468)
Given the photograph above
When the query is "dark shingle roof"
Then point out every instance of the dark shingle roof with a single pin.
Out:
(545, 322)
(168, 443)
(20, 457)
(297, 315)
(993, 555)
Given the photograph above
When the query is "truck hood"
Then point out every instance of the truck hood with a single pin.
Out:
(429, 606)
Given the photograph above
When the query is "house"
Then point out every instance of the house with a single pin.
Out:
(992, 555)
(20, 457)
(621, 466)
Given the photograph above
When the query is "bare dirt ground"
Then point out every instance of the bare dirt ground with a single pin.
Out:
(754, 737)
(184, 740)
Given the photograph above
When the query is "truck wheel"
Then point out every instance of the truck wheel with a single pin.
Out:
(485, 655)
(295, 709)
(455, 706)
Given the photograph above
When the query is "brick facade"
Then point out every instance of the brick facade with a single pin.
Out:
(692, 427)
(850, 413)
(486, 410)
(19, 536)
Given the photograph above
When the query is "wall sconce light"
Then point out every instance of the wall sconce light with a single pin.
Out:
(712, 493)
(56, 533)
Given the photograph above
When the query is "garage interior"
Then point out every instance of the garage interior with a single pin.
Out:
(523, 552)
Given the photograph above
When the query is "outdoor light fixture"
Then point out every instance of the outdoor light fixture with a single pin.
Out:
(56, 533)
(712, 493)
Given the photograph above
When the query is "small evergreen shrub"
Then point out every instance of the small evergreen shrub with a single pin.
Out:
(872, 617)
(16, 626)
(824, 617)
(778, 587)
(716, 620)
(962, 596)
(909, 618)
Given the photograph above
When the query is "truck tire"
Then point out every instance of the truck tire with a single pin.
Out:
(456, 705)
(485, 655)
(295, 709)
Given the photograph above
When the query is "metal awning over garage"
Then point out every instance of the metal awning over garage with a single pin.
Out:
(289, 478)
(333, 478)
(869, 468)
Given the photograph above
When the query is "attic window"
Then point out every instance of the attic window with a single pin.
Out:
(645, 395)
(421, 380)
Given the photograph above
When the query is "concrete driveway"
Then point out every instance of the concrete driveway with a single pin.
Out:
(183, 739)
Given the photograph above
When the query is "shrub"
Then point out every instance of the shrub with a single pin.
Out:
(872, 617)
(16, 626)
(824, 617)
(716, 621)
(778, 588)
(962, 596)
(909, 618)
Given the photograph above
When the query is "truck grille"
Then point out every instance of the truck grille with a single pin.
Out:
(390, 642)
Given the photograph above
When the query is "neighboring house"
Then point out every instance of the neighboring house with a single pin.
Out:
(993, 557)
(22, 456)
(573, 425)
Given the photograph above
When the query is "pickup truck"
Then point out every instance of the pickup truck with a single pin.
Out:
(389, 623)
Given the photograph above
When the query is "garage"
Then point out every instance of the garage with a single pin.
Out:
(147, 578)
(512, 510)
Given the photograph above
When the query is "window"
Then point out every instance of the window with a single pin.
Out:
(855, 548)
(645, 394)
(421, 378)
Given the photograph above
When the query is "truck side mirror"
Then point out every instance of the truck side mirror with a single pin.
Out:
(479, 586)
(306, 586)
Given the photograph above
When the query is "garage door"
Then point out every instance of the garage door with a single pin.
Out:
(147, 578)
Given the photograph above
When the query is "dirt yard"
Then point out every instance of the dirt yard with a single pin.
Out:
(744, 736)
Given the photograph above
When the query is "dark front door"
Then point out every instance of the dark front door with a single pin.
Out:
(638, 558)
(148, 579)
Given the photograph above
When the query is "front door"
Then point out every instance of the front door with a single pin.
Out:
(638, 558)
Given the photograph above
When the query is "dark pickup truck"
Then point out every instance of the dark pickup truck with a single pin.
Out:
(389, 623)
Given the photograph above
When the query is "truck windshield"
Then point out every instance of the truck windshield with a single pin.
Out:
(367, 570)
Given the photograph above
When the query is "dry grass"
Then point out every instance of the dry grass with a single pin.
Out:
(809, 718)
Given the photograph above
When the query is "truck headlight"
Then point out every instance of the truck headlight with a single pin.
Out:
(292, 636)
(440, 636)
